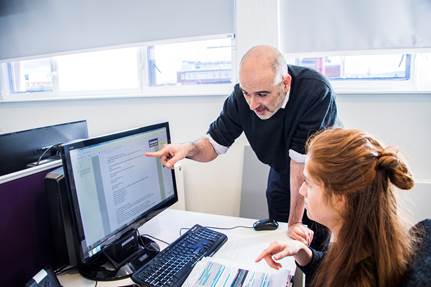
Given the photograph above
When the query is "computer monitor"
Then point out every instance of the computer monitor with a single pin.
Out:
(19, 149)
(114, 189)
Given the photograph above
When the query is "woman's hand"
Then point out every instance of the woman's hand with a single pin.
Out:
(277, 251)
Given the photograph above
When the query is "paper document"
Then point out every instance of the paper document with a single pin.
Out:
(213, 272)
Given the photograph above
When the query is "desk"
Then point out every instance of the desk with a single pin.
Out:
(243, 244)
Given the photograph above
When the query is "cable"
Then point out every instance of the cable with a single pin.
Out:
(95, 285)
(43, 154)
(63, 269)
(229, 228)
(187, 228)
(158, 239)
(220, 228)
(60, 269)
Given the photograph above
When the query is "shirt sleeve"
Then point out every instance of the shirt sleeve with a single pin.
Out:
(310, 268)
(318, 114)
(226, 128)
(219, 149)
(296, 156)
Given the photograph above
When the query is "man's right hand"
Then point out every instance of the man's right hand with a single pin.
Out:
(171, 153)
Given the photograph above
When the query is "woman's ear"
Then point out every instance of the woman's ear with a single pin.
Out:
(339, 202)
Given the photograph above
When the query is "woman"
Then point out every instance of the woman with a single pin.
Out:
(347, 188)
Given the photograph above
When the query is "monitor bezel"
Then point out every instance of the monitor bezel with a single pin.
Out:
(77, 224)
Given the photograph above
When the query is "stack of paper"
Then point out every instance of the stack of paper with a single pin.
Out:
(211, 272)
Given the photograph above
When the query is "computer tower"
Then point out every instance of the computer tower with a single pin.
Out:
(60, 219)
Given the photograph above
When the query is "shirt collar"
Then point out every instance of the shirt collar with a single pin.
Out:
(286, 99)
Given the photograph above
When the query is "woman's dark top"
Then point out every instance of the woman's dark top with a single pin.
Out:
(365, 267)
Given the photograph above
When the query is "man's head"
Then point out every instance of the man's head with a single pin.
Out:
(264, 80)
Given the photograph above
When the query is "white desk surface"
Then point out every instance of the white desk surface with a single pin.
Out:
(243, 245)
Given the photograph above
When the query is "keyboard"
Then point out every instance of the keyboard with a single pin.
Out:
(173, 264)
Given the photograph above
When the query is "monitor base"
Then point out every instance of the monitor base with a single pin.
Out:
(121, 259)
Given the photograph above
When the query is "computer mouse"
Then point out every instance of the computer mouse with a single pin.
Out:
(265, 224)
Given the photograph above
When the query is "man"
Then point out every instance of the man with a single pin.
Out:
(278, 108)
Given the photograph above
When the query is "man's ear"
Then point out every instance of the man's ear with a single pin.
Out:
(287, 80)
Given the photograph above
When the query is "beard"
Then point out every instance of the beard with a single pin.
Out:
(269, 113)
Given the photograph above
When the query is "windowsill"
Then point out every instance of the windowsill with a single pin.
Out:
(154, 92)
(379, 92)
(379, 87)
(181, 91)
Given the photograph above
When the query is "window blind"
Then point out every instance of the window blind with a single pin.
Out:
(29, 27)
(339, 25)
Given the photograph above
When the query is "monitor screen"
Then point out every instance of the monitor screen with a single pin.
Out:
(114, 187)
(18, 149)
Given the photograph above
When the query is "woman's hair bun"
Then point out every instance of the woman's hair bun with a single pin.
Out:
(395, 168)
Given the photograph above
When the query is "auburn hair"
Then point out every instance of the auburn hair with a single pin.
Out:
(354, 165)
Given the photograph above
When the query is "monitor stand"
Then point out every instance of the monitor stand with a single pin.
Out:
(120, 259)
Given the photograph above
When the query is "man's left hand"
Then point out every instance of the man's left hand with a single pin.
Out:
(300, 232)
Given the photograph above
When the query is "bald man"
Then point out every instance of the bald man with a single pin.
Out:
(277, 107)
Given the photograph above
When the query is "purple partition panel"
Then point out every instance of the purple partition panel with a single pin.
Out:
(26, 244)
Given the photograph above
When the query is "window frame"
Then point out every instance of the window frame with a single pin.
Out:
(143, 90)
(375, 86)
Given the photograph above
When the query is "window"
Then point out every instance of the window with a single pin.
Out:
(31, 76)
(98, 71)
(363, 67)
(395, 72)
(190, 63)
(190, 66)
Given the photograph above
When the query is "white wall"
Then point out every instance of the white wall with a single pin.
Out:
(401, 120)
(404, 120)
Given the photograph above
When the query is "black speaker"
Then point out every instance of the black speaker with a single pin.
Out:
(60, 219)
